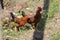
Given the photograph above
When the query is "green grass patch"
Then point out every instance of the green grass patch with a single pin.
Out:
(53, 8)
(55, 36)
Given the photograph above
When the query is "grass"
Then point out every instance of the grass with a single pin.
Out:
(55, 36)
(12, 35)
(53, 9)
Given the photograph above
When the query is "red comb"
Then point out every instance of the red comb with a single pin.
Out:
(39, 8)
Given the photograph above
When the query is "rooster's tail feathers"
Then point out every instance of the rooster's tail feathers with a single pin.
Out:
(12, 15)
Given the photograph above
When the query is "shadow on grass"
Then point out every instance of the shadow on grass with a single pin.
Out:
(38, 35)
(1, 3)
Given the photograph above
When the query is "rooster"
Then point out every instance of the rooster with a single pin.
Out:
(35, 19)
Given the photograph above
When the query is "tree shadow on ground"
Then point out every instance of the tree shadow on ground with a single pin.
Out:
(38, 35)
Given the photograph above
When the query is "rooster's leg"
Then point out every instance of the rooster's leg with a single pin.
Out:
(33, 25)
(16, 26)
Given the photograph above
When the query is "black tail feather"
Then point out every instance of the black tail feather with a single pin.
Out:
(12, 15)
(23, 13)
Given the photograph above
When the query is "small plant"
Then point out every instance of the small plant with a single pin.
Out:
(12, 24)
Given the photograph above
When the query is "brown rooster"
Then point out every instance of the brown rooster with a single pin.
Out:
(35, 19)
